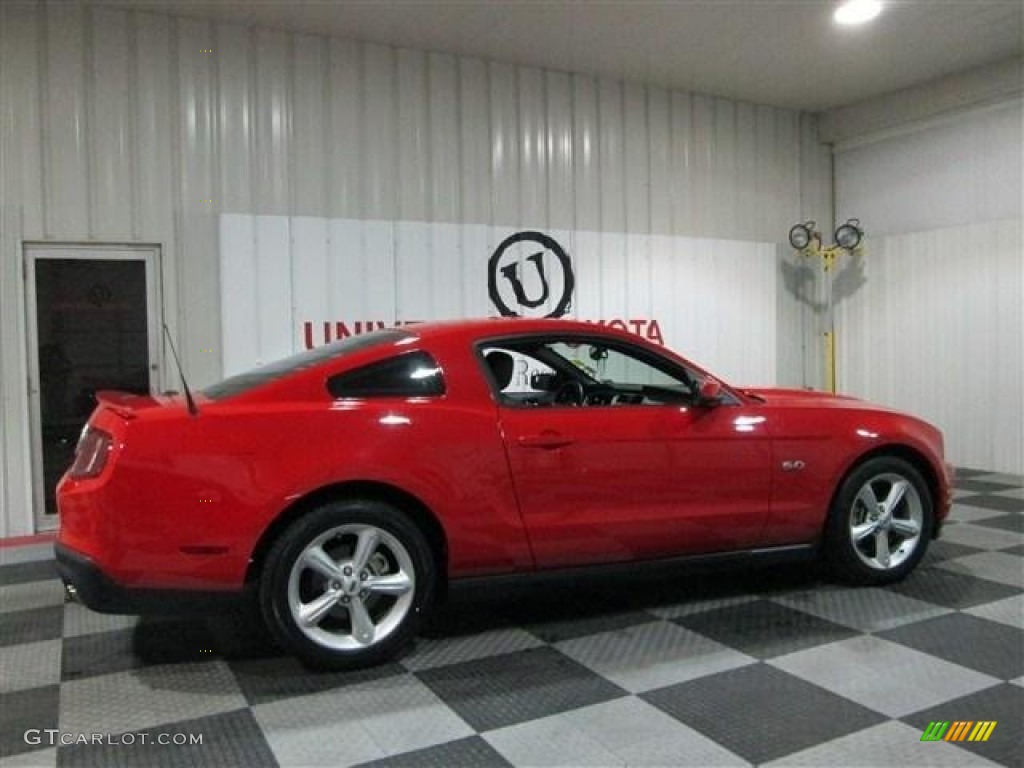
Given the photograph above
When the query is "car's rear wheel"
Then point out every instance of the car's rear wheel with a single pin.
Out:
(880, 522)
(346, 584)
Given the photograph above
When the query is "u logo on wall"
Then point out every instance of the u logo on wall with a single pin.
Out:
(530, 275)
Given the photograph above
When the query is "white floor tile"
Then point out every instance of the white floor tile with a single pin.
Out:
(653, 655)
(358, 723)
(1008, 611)
(31, 665)
(883, 675)
(994, 566)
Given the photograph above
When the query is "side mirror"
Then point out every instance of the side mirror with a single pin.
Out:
(710, 393)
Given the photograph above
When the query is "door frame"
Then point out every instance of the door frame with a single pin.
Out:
(149, 254)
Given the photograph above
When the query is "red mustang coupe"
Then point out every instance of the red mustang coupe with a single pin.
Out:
(347, 486)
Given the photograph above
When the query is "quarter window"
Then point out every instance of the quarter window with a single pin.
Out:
(415, 374)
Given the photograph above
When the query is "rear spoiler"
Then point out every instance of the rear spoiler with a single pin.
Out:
(125, 404)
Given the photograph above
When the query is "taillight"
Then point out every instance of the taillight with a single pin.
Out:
(91, 454)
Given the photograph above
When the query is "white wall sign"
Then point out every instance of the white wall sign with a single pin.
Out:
(290, 283)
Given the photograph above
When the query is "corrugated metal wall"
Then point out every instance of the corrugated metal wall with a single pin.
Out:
(133, 127)
(931, 320)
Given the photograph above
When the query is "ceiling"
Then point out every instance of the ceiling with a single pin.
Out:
(782, 52)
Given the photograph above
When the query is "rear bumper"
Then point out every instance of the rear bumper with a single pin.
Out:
(101, 593)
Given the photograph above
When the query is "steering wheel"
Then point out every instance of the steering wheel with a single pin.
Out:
(571, 393)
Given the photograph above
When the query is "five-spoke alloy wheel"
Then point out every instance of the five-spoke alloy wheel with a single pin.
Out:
(880, 523)
(346, 583)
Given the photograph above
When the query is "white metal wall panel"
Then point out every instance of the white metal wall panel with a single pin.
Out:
(937, 327)
(476, 136)
(155, 145)
(65, 117)
(111, 142)
(239, 306)
(713, 299)
(123, 125)
(311, 169)
(343, 153)
(585, 132)
(659, 127)
(504, 124)
(942, 335)
(16, 518)
(950, 173)
(378, 133)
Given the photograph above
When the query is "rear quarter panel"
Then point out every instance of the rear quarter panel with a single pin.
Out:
(190, 497)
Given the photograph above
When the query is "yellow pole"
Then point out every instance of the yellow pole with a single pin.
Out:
(828, 262)
(830, 361)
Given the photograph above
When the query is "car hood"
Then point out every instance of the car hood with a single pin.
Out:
(808, 398)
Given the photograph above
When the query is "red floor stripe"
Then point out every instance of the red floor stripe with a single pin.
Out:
(25, 541)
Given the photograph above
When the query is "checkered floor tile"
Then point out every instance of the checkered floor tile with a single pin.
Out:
(774, 667)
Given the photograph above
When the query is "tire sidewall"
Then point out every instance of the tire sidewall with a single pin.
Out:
(273, 592)
(839, 549)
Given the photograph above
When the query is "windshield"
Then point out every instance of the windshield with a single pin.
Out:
(244, 382)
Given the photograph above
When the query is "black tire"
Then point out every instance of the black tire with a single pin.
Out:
(357, 617)
(867, 543)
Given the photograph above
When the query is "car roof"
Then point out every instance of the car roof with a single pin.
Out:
(475, 328)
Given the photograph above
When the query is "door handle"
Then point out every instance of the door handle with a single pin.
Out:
(545, 440)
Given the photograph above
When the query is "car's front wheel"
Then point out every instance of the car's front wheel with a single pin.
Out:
(880, 522)
(346, 584)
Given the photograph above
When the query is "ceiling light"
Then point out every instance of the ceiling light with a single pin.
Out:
(857, 12)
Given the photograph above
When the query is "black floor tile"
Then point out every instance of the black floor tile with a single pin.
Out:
(21, 573)
(764, 629)
(1018, 550)
(1003, 704)
(31, 626)
(1011, 522)
(965, 473)
(472, 752)
(952, 590)
(24, 717)
(516, 687)
(939, 551)
(99, 654)
(986, 646)
(762, 713)
(229, 739)
(572, 627)
(282, 677)
(174, 641)
(982, 486)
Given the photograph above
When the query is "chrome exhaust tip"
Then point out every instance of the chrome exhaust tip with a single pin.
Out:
(70, 593)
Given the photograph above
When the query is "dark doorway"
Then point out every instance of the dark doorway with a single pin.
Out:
(92, 319)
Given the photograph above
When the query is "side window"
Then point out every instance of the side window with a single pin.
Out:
(614, 367)
(575, 371)
(415, 374)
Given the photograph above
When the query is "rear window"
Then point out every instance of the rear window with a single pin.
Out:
(257, 377)
(415, 374)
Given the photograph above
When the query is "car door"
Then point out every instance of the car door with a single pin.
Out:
(626, 475)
